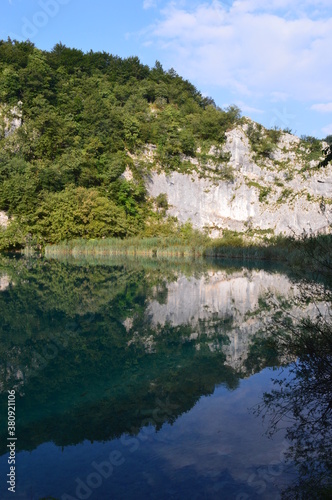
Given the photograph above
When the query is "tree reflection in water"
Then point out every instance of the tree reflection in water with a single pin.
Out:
(301, 400)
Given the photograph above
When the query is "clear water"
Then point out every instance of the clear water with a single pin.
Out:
(138, 380)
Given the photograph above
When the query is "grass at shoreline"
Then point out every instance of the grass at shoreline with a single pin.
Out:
(230, 246)
(150, 247)
(307, 252)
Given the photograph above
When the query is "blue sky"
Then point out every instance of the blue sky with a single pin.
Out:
(271, 58)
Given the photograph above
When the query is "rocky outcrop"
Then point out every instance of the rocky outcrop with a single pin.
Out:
(3, 219)
(283, 193)
(4, 282)
(10, 119)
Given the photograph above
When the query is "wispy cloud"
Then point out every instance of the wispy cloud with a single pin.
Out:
(149, 4)
(322, 108)
(251, 47)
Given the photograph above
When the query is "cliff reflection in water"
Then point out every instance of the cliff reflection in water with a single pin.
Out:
(91, 348)
(302, 400)
(230, 302)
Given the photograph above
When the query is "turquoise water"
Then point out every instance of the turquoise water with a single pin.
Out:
(139, 380)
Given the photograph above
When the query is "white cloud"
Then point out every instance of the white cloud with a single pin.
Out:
(290, 9)
(253, 47)
(328, 129)
(322, 108)
(149, 4)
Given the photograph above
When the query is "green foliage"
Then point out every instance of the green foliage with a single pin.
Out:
(312, 141)
(230, 239)
(264, 191)
(161, 201)
(9, 85)
(262, 143)
(274, 134)
(14, 237)
(254, 133)
(78, 212)
(313, 147)
(112, 165)
(226, 172)
(15, 53)
(286, 193)
(83, 116)
(19, 192)
(263, 194)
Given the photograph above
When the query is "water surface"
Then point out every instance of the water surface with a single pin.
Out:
(137, 379)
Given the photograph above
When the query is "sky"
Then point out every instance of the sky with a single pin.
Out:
(272, 58)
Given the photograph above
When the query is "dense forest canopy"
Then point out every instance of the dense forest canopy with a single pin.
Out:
(82, 116)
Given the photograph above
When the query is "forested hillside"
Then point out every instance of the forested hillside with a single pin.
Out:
(79, 118)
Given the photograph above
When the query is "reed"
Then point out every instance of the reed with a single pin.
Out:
(152, 247)
(231, 246)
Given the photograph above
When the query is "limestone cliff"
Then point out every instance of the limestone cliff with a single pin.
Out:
(283, 192)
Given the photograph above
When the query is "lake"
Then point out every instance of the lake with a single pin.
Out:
(140, 379)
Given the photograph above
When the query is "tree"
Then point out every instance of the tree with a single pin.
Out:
(9, 86)
(78, 213)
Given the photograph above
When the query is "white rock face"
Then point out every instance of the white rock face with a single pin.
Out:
(3, 219)
(11, 118)
(205, 204)
(237, 144)
(4, 282)
(293, 202)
